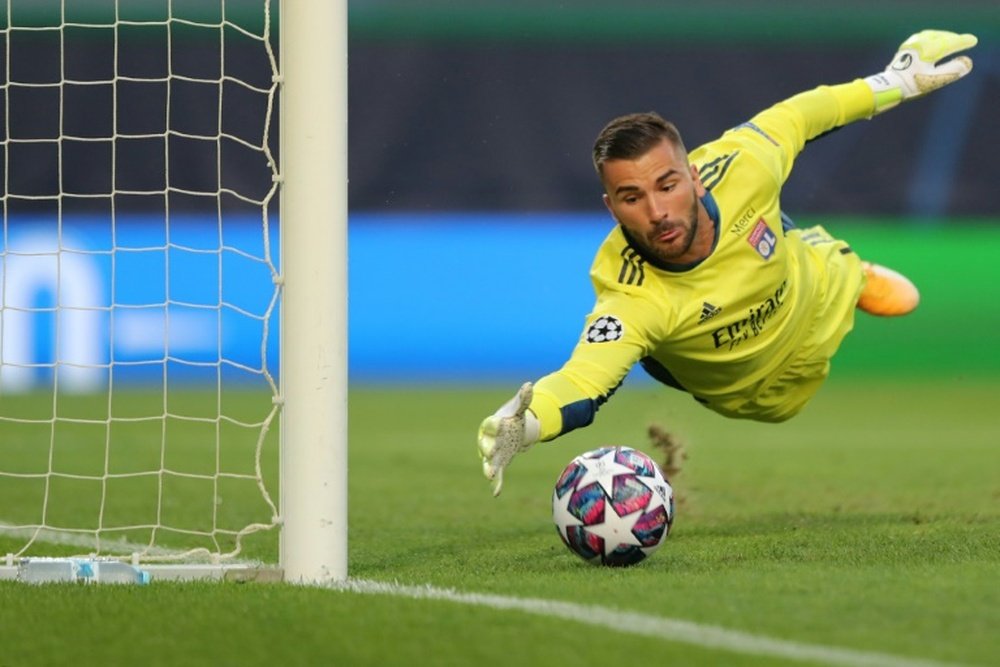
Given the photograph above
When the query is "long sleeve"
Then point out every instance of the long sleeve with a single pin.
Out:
(779, 133)
(622, 329)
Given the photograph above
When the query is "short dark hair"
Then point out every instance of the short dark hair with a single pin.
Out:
(631, 136)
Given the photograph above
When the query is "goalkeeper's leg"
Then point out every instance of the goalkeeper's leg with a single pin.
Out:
(886, 292)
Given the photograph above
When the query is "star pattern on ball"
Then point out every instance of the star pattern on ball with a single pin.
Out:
(661, 491)
(603, 470)
(613, 532)
(561, 514)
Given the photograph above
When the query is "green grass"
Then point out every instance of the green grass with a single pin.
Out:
(870, 522)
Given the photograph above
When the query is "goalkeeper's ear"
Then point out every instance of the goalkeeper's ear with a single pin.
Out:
(922, 64)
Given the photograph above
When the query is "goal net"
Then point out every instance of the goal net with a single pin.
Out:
(139, 280)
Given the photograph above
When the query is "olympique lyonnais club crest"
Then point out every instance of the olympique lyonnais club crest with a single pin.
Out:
(605, 329)
(763, 239)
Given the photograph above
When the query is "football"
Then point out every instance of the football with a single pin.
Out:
(613, 506)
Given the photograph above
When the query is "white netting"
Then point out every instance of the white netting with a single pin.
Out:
(138, 289)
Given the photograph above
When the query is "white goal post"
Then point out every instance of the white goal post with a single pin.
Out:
(314, 239)
(150, 411)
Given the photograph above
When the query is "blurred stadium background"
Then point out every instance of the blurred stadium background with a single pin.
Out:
(474, 209)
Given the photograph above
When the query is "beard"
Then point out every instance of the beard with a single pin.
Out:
(669, 252)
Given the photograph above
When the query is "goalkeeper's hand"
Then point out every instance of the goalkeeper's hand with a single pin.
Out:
(920, 67)
(511, 429)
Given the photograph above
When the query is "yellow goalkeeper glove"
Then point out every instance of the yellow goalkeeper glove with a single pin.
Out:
(920, 67)
(511, 429)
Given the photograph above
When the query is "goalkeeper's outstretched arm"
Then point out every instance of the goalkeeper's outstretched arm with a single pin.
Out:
(926, 61)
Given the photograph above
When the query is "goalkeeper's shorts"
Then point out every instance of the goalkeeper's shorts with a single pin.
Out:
(790, 387)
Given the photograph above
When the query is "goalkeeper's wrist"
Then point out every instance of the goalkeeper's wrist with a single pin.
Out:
(887, 89)
(532, 429)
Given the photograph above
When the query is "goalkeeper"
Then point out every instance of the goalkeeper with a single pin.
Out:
(703, 281)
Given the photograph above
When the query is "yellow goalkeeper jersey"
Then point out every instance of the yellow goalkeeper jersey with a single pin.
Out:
(749, 330)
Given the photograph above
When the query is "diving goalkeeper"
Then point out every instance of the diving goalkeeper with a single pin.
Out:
(703, 280)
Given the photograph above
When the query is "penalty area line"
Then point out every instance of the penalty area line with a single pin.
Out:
(646, 625)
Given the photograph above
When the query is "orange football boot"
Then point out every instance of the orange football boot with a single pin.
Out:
(886, 292)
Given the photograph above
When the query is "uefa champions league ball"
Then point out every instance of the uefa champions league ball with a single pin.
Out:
(613, 506)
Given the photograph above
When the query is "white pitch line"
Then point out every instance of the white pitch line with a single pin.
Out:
(626, 622)
(669, 629)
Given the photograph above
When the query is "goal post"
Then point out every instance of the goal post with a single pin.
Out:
(314, 308)
(173, 289)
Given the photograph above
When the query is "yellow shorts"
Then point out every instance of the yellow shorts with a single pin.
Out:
(783, 395)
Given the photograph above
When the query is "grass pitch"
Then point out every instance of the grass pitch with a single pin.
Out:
(871, 522)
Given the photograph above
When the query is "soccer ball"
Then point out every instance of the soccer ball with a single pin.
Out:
(613, 506)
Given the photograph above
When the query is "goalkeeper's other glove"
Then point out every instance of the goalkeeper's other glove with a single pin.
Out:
(920, 67)
(511, 429)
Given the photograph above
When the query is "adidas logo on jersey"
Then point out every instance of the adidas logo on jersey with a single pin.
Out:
(708, 311)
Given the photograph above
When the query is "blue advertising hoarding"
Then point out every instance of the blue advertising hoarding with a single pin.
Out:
(432, 298)
(140, 301)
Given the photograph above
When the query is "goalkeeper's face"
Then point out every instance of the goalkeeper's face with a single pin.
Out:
(656, 197)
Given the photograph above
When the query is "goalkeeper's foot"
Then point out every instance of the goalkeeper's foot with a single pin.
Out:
(887, 293)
